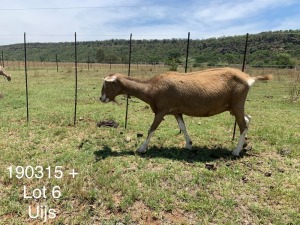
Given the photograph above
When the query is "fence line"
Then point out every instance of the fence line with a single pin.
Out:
(111, 65)
(105, 66)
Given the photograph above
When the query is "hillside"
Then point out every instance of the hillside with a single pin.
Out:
(280, 48)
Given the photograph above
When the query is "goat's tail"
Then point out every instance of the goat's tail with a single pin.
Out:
(266, 77)
(252, 80)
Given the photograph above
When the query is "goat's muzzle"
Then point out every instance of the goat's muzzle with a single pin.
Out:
(104, 99)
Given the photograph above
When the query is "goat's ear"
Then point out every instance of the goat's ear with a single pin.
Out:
(110, 78)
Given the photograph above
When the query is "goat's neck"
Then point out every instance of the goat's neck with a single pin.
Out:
(2, 73)
(137, 88)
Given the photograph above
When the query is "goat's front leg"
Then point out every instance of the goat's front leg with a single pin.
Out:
(188, 142)
(157, 120)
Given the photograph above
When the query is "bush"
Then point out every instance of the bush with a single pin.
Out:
(173, 65)
(294, 92)
(284, 60)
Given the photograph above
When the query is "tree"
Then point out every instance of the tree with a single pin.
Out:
(174, 60)
(100, 55)
(174, 56)
(284, 60)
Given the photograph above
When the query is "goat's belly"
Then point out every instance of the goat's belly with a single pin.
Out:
(200, 112)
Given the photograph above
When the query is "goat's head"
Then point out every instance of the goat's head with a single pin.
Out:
(8, 77)
(110, 89)
(5, 74)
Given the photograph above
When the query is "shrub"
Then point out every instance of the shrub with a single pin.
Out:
(294, 92)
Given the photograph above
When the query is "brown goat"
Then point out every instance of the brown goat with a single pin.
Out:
(5, 74)
(201, 94)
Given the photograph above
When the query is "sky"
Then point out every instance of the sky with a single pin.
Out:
(57, 20)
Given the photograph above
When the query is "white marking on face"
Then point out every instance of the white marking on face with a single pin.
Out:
(110, 78)
(104, 98)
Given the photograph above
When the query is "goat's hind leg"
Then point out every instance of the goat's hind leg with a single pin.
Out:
(188, 142)
(243, 122)
(157, 120)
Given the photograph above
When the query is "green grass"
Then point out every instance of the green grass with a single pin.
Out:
(167, 185)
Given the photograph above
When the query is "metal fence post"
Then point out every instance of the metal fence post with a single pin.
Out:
(76, 80)
(56, 63)
(129, 65)
(26, 77)
(187, 53)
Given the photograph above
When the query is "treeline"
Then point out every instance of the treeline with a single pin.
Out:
(280, 48)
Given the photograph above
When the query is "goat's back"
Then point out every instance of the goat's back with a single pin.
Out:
(207, 81)
(202, 93)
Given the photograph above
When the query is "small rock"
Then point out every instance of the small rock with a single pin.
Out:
(268, 174)
(284, 152)
(210, 166)
(245, 179)
(268, 96)
(107, 123)
(128, 139)
(228, 164)
(82, 143)
(139, 135)
(120, 223)
(259, 163)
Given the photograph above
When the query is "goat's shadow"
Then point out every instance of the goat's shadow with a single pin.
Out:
(197, 154)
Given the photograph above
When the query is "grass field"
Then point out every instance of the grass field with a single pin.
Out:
(167, 185)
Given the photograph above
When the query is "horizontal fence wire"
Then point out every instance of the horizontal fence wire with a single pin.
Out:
(151, 68)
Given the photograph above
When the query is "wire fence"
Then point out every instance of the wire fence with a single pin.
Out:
(134, 69)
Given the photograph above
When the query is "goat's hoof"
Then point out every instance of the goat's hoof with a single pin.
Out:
(141, 151)
(189, 147)
(236, 153)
